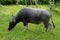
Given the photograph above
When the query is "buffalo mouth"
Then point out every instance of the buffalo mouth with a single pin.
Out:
(9, 29)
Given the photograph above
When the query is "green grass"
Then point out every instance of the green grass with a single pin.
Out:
(34, 32)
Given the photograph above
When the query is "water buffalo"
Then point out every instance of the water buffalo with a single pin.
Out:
(31, 15)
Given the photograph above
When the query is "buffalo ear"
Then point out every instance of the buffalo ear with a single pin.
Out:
(14, 20)
(11, 18)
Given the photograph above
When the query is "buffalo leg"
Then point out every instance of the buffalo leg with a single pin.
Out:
(46, 25)
(50, 27)
(25, 25)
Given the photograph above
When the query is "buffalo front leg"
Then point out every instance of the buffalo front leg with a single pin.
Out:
(46, 25)
(50, 27)
(25, 25)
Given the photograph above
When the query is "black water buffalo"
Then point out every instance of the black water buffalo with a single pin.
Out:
(31, 15)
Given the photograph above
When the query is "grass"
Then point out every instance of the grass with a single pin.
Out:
(35, 31)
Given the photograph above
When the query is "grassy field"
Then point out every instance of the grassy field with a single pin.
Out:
(34, 32)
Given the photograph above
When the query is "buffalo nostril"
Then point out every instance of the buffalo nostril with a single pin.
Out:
(9, 29)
